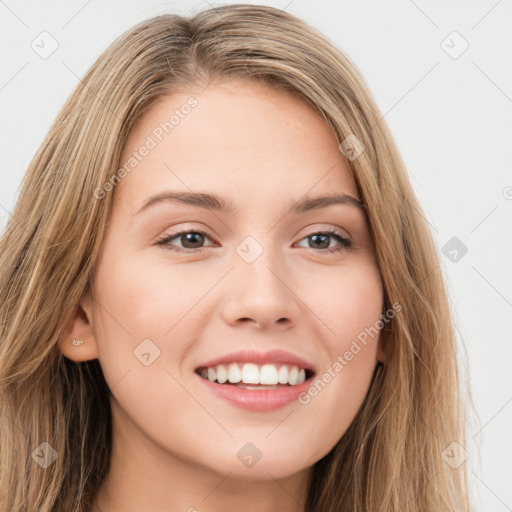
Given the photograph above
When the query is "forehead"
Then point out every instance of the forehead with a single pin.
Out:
(240, 138)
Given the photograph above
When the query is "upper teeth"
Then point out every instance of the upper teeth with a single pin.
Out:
(250, 373)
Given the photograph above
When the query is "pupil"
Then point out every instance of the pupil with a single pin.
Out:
(189, 237)
(323, 236)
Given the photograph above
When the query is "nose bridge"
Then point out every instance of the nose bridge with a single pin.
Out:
(259, 263)
(259, 288)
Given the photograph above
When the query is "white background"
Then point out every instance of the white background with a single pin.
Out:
(451, 117)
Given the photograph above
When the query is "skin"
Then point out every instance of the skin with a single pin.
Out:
(175, 443)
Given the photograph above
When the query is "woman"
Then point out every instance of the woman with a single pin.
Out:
(219, 292)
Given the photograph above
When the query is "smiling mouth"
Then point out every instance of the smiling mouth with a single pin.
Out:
(256, 376)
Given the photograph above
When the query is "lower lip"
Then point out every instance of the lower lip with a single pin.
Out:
(257, 400)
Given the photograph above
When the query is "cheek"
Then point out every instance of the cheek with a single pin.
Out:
(139, 300)
(348, 300)
(145, 295)
(143, 321)
(351, 308)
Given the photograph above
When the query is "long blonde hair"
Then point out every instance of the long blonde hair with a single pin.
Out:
(391, 457)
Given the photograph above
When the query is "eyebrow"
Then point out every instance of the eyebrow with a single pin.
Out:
(221, 204)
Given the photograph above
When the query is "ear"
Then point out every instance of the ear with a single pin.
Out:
(80, 326)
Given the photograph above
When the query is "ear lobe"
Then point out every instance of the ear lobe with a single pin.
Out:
(79, 327)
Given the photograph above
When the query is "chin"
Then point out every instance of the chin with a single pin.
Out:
(267, 464)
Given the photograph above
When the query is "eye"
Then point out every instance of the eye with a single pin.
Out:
(193, 239)
(321, 240)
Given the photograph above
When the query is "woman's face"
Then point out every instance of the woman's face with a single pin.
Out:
(259, 278)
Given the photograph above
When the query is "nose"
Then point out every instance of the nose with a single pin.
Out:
(261, 293)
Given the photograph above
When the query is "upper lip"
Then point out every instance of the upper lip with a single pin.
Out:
(257, 357)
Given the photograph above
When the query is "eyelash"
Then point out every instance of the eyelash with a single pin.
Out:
(165, 241)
